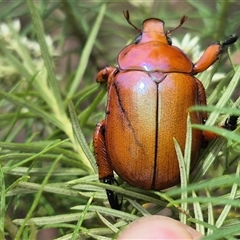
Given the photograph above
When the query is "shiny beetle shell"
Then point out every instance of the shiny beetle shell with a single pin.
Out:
(149, 96)
(143, 118)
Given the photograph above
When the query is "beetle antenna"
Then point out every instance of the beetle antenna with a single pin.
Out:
(183, 19)
(127, 16)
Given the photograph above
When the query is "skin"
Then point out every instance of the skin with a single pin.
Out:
(158, 227)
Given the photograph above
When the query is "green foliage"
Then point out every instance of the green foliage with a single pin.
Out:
(50, 53)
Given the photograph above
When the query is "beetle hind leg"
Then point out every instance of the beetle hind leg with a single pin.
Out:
(112, 197)
(105, 170)
(230, 124)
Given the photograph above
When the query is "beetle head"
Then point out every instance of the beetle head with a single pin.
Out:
(153, 30)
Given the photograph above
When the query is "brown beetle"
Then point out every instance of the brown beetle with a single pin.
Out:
(149, 95)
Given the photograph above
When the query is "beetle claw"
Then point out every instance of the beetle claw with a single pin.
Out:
(231, 123)
(112, 197)
(230, 40)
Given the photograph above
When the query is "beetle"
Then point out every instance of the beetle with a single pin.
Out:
(149, 95)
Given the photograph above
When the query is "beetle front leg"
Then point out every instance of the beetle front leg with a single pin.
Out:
(211, 54)
(106, 75)
(105, 170)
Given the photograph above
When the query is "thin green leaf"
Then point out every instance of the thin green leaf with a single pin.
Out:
(211, 219)
(107, 223)
(39, 30)
(46, 149)
(23, 187)
(219, 131)
(108, 211)
(80, 137)
(224, 232)
(2, 203)
(225, 96)
(15, 183)
(54, 220)
(198, 214)
(209, 108)
(226, 180)
(207, 161)
(227, 208)
(139, 207)
(37, 198)
(84, 116)
(80, 220)
(86, 51)
(214, 200)
(133, 194)
(36, 110)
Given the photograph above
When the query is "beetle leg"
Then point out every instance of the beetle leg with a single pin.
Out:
(106, 75)
(105, 170)
(211, 54)
(208, 58)
(230, 124)
(112, 197)
(104, 167)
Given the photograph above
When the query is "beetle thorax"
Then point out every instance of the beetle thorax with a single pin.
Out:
(153, 30)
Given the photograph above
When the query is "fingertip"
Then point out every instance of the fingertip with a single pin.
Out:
(157, 227)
